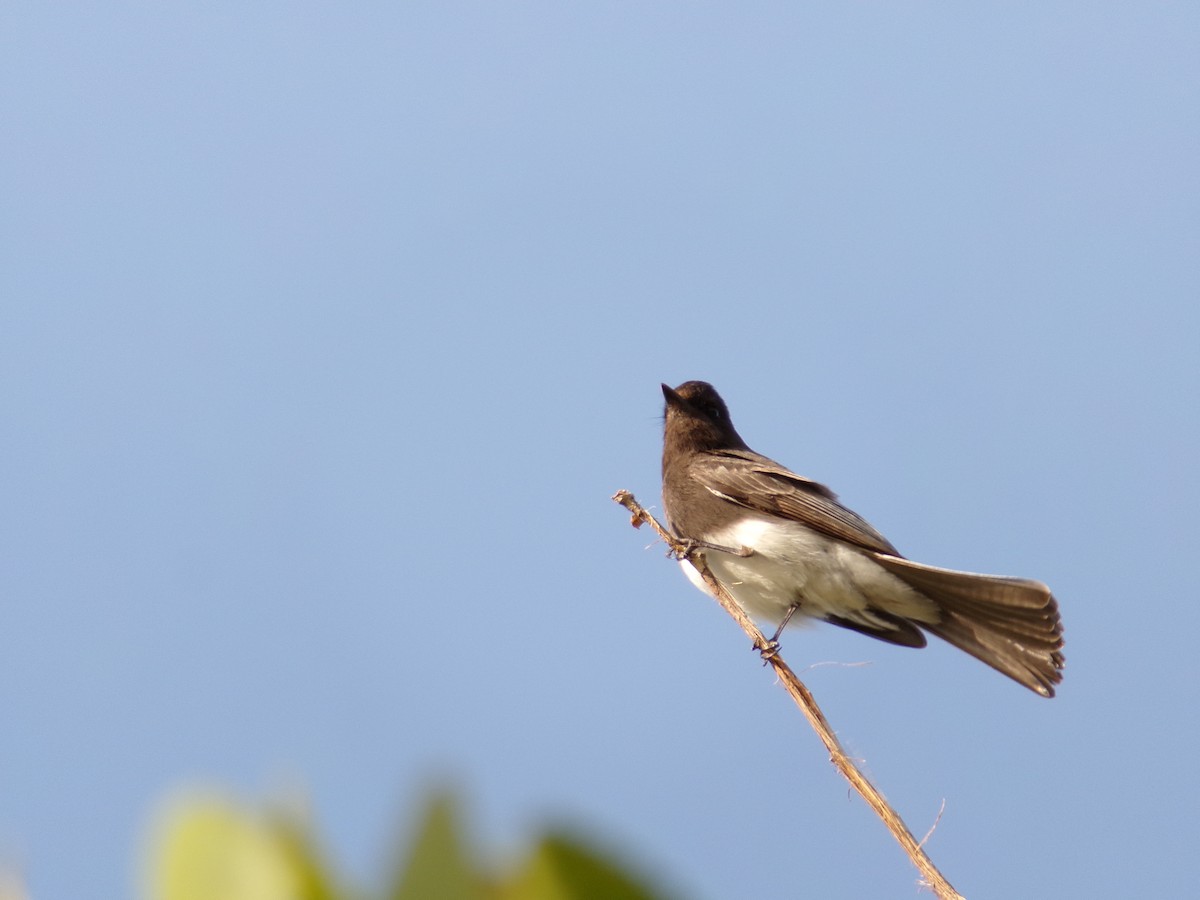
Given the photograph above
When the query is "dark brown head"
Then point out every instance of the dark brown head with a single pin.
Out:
(697, 419)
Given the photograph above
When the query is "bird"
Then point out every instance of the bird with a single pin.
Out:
(783, 546)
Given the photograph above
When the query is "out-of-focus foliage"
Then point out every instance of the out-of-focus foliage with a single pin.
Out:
(563, 869)
(214, 848)
(208, 846)
(11, 887)
(438, 865)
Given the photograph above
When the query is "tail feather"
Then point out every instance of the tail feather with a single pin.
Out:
(1012, 624)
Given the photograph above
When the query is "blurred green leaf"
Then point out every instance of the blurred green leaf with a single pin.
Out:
(210, 848)
(561, 868)
(207, 846)
(315, 881)
(438, 867)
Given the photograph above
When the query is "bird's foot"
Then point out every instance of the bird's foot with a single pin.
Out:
(691, 545)
(767, 651)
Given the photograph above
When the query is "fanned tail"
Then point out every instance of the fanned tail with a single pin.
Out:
(1012, 624)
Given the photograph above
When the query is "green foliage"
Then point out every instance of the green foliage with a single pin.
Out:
(209, 847)
(562, 869)
(438, 865)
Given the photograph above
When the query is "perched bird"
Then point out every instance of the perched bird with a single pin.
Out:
(782, 545)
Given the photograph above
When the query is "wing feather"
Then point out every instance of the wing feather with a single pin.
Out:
(755, 482)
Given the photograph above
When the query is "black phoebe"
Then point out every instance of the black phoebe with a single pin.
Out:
(782, 545)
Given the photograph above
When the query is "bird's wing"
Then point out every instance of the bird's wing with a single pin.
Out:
(763, 485)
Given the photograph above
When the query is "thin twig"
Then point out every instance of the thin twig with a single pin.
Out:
(933, 827)
(804, 699)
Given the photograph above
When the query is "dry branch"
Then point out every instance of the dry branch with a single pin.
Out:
(804, 699)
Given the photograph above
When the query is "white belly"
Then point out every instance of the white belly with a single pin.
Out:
(792, 563)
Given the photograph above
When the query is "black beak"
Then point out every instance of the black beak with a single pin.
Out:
(673, 399)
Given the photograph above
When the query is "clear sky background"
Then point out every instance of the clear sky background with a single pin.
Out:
(327, 331)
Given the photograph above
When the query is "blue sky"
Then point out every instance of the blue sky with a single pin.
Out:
(328, 331)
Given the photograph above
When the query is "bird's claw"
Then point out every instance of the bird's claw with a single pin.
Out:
(767, 651)
(688, 546)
